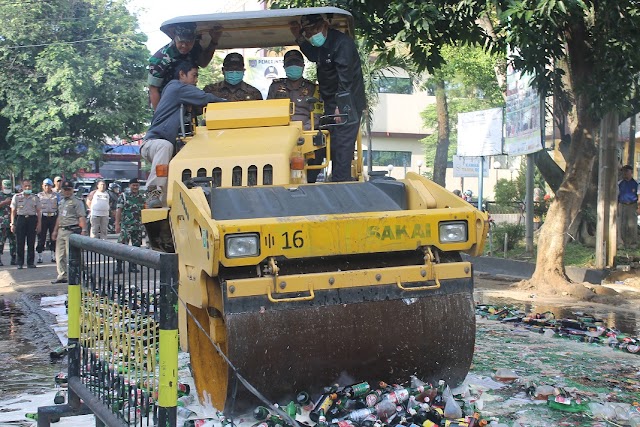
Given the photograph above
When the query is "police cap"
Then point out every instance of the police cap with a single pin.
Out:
(293, 57)
(67, 184)
(310, 20)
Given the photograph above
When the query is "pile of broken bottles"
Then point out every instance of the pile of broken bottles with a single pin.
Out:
(584, 328)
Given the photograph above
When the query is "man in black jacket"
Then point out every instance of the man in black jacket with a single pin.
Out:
(165, 126)
(339, 70)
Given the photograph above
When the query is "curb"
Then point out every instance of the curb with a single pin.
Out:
(524, 269)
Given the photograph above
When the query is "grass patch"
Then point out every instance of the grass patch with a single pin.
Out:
(575, 254)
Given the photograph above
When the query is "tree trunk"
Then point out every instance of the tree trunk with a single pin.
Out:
(550, 272)
(564, 210)
(442, 147)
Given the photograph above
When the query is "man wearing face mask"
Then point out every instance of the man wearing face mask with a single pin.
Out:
(184, 46)
(5, 221)
(296, 88)
(233, 88)
(339, 70)
(25, 222)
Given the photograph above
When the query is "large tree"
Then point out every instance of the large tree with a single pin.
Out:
(584, 52)
(73, 75)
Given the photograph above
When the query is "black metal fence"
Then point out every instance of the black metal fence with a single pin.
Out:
(123, 335)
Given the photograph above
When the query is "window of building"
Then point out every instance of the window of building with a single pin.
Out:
(390, 84)
(385, 158)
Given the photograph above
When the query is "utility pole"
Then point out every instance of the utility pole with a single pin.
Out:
(529, 204)
(606, 232)
(631, 152)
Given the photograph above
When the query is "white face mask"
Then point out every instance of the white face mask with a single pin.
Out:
(6, 190)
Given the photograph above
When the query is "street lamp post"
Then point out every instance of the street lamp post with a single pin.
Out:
(420, 163)
(512, 169)
(389, 168)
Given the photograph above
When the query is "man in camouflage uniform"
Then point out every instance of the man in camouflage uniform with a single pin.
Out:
(297, 89)
(129, 220)
(232, 88)
(5, 221)
(184, 45)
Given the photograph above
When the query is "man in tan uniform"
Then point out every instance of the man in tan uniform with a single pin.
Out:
(49, 205)
(297, 89)
(25, 222)
(232, 88)
(72, 218)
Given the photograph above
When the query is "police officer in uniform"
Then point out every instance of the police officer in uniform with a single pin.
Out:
(5, 221)
(72, 218)
(296, 88)
(233, 88)
(129, 219)
(25, 222)
(49, 205)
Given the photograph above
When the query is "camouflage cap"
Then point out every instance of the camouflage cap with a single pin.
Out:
(6, 183)
(185, 32)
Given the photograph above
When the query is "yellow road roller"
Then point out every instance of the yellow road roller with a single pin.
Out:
(299, 284)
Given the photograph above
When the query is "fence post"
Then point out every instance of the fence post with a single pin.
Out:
(506, 244)
(74, 302)
(168, 344)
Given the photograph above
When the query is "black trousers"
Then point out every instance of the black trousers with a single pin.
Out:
(47, 225)
(26, 230)
(343, 139)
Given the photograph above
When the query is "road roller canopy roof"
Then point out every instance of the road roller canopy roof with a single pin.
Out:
(260, 28)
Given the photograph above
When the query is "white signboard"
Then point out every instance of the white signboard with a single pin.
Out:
(522, 116)
(260, 72)
(480, 133)
(468, 167)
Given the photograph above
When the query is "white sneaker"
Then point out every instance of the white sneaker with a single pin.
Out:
(39, 258)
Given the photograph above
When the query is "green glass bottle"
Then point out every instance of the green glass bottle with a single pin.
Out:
(261, 413)
(60, 397)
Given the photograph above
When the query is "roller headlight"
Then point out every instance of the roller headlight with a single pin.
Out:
(453, 232)
(241, 245)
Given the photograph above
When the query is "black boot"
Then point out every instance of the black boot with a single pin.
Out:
(13, 260)
(118, 269)
(133, 268)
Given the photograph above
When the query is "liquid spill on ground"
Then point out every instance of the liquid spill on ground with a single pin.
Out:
(625, 320)
(24, 351)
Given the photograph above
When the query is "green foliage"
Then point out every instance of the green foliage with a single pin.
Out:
(506, 192)
(212, 73)
(74, 75)
(470, 85)
(514, 233)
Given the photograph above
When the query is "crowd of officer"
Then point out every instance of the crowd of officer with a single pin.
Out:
(54, 214)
